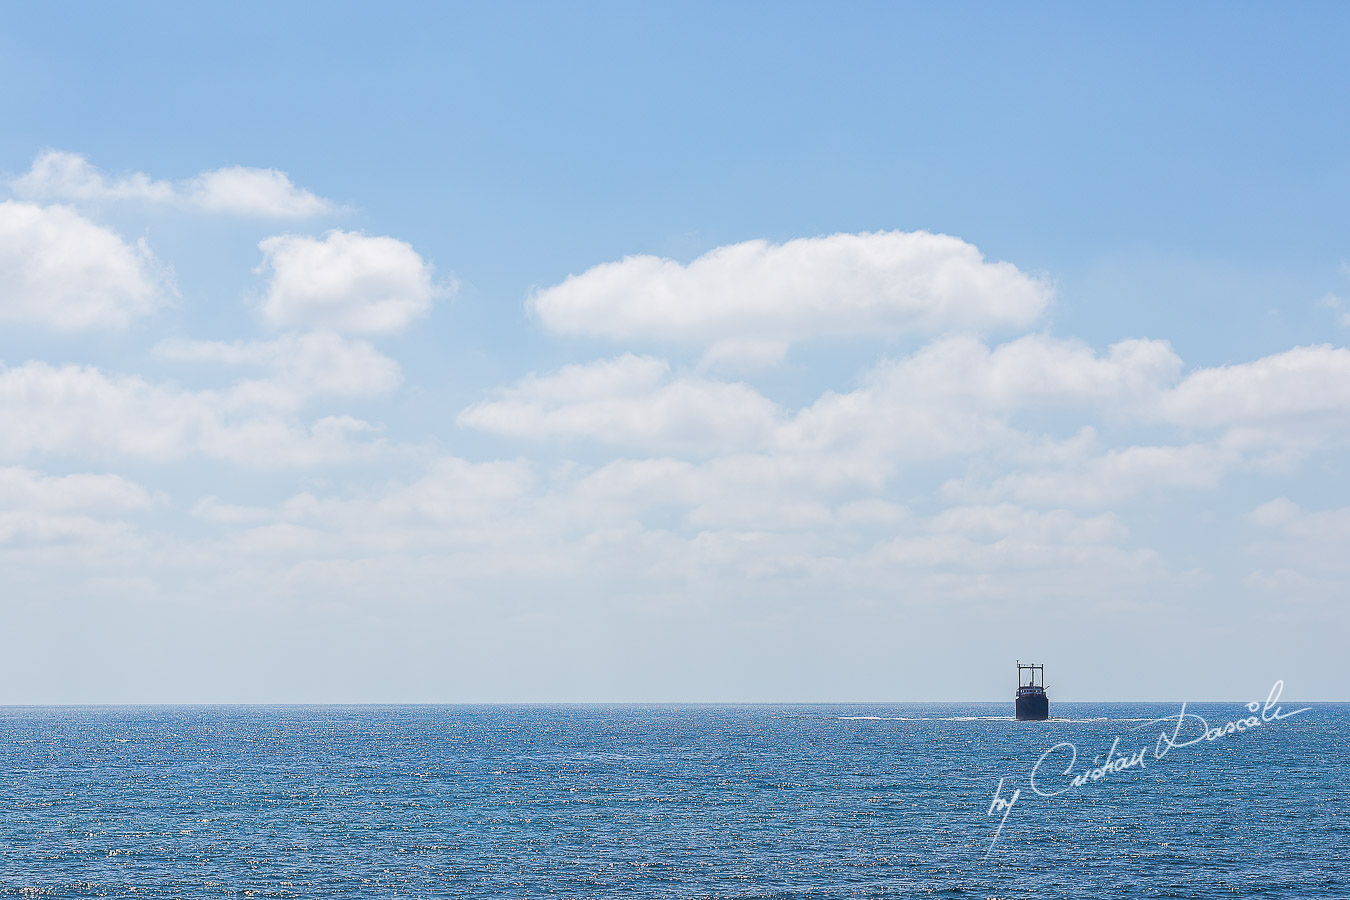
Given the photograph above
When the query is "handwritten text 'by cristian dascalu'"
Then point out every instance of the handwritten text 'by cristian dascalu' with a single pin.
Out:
(1187, 729)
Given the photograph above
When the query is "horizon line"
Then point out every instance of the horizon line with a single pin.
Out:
(421, 703)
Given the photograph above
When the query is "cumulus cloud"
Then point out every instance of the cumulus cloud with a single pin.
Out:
(454, 503)
(69, 176)
(238, 190)
(1267, 414)
(1041, 541)
(1007, 519)
(1304, 387)
(253, 192)
(661, 520)
(1330, 526)
(956, 395)
(761, 491)
(37, 509)
(1305, 549)
(1008, 537)
(1110, 477)
(80, 411)
(60, 270)
(345, 282)
(1040, 370)
(24, 529)
(959, 398)
(23, 488)
(758, 297)
(1272, 412)
(629, 400)
(300, 367)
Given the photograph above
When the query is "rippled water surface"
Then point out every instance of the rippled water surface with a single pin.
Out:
(664, 801)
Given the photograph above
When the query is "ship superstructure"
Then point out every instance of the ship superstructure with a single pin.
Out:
(1032, 702)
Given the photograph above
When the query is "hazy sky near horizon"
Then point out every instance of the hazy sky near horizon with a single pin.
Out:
(609, 352)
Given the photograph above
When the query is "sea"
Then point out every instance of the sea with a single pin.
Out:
(676, 801)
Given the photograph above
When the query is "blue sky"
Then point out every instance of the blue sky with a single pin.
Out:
(704, 352)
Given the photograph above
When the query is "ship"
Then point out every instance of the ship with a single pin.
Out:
(1032, 703)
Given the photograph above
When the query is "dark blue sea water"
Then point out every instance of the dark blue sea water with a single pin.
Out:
(664, 801)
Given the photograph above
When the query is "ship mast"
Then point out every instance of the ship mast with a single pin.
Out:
(1031, 670)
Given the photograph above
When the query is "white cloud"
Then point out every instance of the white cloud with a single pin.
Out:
(1307, 554)
(1041, 370)
(1006, 519)
(957, 396)
(254, 192)
(630, 400)
(1268, 414)
(954, 399)
(1336, 304)
(954, 396)
(762, 491)
(1304, 388)
(1277, 512)
(765, 296)
(1034, 370)
(1330, 526)
(213, 509)
(1275, 411)
(61, 270)
(24, 529)
(345, 282)
(1310, 597)
(727, 521)
(240, 190)
(38, 509)
(79, 411)
(68, 176)
(301, 366)
(1090, 561)
(1110, 477)
(22, 488)
(454, 505)
(1005, 539)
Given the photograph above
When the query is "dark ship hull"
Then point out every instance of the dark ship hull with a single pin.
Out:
(1032, 706)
